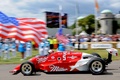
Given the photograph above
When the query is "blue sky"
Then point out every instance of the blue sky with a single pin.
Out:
(35, 8)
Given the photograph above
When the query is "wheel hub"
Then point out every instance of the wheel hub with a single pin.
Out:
(97, 66)
(26, 68)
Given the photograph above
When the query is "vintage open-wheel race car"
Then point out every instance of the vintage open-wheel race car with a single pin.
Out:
(66, 61)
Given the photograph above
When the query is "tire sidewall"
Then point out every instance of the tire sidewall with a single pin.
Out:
(93, 60)
(32, 66)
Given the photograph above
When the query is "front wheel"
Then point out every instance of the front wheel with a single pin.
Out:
(97, 66)
(27, 68)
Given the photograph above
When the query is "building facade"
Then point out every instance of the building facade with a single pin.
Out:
(107, 21)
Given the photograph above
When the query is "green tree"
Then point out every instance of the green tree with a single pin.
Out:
(88, 21)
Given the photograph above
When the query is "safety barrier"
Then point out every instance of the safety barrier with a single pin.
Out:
(97, 45)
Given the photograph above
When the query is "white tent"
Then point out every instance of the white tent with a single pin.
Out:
(83, 33)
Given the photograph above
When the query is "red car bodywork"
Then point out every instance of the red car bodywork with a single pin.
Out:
(57, 61)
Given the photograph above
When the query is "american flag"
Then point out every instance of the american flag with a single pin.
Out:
(29, 29)
(60, 37)
(5, 19)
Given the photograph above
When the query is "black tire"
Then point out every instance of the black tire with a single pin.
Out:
(27, 68)
(96, 54)
(96, 66)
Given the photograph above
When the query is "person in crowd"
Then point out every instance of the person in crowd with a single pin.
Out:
(95, 38)
(48, 39)
(46, 47)
(114, 37)
(33, 44)
(51, 42)
(69, 46)
(81, 39)
(55, 43)
(73, 40)
(28, 52)
(61, 47)
(1, 44)
(105, 38)
(13, 47)
(22, 49)
(6, 48)
(41, 48)
(17, 43)
(118, 39)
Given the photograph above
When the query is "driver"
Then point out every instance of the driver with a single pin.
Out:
(50, 52)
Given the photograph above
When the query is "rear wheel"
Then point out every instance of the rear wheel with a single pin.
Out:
(27, 68)
(97, 66)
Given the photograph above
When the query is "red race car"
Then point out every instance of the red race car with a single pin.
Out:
(67, 61)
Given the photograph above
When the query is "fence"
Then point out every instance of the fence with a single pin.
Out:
(97, 45)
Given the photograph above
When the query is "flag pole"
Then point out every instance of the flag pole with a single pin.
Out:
(96, 13)
(96, 25)
(76, 23)
(60, 16)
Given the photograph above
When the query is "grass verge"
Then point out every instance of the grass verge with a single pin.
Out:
(16, 60)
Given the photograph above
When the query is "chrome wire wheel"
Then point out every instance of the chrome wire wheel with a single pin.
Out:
(97, 66)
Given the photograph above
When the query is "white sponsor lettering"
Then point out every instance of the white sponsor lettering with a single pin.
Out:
(41, 59)
(52, 57)
(72, 57)
(57, 68)
(102, 46)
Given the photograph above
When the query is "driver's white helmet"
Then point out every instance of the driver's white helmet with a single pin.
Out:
(50, 51)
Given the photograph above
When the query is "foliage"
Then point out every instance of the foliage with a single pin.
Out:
(88, 21)
(72, 26)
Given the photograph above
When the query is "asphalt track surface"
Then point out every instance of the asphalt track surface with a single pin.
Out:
(113, 73)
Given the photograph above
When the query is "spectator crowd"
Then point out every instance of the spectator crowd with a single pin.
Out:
(9, 47)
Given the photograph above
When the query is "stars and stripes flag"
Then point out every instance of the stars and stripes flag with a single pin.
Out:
(28, 29)
(36, 24)
(61, 37)
(4, 19)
